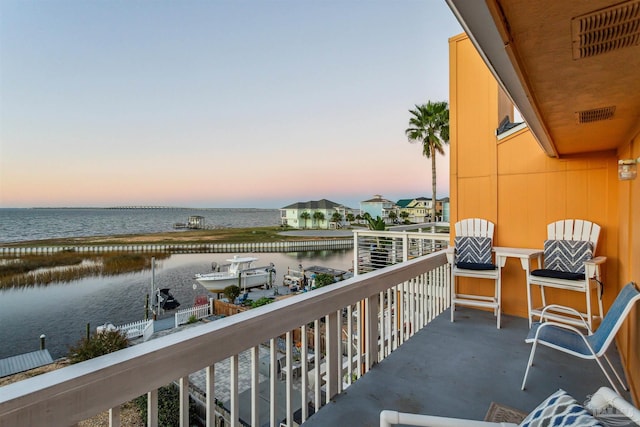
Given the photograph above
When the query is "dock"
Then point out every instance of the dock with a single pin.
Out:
(24, 362)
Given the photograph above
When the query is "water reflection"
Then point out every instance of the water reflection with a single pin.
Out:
(62, 311)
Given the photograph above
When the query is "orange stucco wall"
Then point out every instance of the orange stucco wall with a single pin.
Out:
(628, 339)
(513, 183)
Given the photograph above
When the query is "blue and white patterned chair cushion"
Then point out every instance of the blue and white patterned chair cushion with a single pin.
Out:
(473, 250)
(567, 255)
(560, 409)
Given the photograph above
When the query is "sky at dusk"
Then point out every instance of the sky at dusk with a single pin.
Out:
(217, 103)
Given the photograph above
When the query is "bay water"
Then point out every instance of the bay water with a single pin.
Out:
(19, 225)
(61, 311)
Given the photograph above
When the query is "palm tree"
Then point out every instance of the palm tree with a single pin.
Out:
(305, 215)
(429, 125)
(318, 216)
(337, 218)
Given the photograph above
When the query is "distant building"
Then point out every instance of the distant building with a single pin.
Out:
(378, 206)
(315, 214)
(421, 210)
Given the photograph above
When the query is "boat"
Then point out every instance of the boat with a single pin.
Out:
(166, 300)
(240, 271)
(305, 277)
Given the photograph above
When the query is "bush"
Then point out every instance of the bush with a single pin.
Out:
(324, 279)
(232, 292)
(260, 302)
(168, 407)
(96, 345)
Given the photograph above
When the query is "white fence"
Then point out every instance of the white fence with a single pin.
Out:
(198, 312)
(135, 329)
(285, 246)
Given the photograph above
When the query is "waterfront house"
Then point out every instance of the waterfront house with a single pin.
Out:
(314, 214)
(420, 209)
(378, 207)
(581, 109)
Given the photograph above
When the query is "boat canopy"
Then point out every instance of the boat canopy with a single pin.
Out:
(238, 259)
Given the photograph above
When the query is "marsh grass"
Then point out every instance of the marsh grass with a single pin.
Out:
(219, 235)
(66, 266)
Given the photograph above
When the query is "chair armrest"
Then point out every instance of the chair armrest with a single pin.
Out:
(596, 261)
(565, 309)
(592, 266)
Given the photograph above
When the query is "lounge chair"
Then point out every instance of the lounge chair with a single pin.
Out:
(574, 341)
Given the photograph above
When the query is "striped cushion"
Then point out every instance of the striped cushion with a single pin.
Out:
(567, 255)
(475, 250)
(560, 409)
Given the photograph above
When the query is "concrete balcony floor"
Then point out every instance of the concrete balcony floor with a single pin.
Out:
(457, 370)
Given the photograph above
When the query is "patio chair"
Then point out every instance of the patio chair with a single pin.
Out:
(472, 257)
(559, 409)
(574, 341)
(569, 264)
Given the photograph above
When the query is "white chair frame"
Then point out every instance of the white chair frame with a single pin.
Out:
(598, 403)
(570, 230)
(474, 227)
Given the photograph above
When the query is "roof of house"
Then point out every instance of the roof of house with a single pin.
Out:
(313, 204)
(377, 199)
(403, 203)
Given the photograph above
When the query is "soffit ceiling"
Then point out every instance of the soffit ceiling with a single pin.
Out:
(576, 94)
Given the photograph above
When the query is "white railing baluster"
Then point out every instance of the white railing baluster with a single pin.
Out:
(341, 367)
(318, 366)
(395, 319)
(152, 408)
(255, 386)
(273, 372)
(371, 330)
(350, 343)
(389, 317)
(210, 376)
(184, 401)
(235, 407)
(331, 341)
(114, 417)
(304, 379)
(289, 377)
(380, 318)
(360, 349)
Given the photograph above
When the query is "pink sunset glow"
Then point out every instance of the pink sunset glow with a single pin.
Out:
(302, 105)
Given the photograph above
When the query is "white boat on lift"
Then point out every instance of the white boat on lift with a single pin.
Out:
(240, 272)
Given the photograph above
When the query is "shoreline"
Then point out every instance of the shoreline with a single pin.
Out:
(247, 235)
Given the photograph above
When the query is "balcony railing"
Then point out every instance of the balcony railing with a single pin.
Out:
(377, 249)
(341, 331)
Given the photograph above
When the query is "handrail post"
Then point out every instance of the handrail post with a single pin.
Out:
(333, 339)
(371, 330)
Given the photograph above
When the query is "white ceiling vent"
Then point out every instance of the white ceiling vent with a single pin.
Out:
(608, 29)
(595, 115)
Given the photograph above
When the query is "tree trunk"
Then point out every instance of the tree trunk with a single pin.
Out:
(433, 180)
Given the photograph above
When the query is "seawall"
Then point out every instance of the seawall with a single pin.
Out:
(288, 246)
